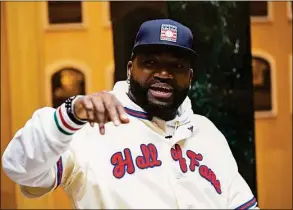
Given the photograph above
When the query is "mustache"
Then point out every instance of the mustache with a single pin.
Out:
(162, 84)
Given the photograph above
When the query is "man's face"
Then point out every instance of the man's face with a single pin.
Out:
(159, 80)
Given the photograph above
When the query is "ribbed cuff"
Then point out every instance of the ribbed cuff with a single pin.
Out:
(65, 121)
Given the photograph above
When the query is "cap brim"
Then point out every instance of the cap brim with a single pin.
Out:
(183, 51)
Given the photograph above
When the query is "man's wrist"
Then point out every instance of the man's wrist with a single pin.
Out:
(71, 110)
(66, 122)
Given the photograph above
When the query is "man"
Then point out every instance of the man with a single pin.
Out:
(139, 146)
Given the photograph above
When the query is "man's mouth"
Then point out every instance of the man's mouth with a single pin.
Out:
(163, 91)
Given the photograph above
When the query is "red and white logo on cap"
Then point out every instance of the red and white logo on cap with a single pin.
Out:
(168, 33)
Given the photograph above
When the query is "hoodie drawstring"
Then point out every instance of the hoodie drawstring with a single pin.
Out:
(176, 126)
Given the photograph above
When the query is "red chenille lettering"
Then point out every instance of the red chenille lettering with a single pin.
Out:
(204, 171)
(210, 176)
(177, 156)
(217, 186)
(143, 161)
(154, 156)
(194, 159)
(120, 164)
(149, 157)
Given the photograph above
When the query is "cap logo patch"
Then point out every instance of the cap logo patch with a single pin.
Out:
(168, 33)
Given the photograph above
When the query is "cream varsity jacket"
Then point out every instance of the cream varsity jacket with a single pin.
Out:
(185, 163)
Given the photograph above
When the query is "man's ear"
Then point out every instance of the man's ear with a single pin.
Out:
(129, 69)
(191, 76)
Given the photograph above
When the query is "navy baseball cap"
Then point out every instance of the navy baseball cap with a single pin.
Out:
(166, 34)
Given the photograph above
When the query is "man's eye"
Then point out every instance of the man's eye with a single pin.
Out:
(178, 66)
(149, 62)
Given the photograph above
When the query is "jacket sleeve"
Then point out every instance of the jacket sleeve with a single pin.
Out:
(240, 195)
(39, 158)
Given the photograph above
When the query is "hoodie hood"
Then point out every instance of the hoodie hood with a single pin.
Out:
(120, 91)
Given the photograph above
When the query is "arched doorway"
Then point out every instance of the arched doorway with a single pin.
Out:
(66, 82)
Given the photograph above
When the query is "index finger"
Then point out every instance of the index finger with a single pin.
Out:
(121, 112)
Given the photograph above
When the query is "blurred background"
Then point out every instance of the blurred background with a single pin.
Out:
(243, 75)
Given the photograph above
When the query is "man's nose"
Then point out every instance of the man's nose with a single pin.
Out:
(163, 74)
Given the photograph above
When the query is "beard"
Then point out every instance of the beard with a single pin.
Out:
(165, 110)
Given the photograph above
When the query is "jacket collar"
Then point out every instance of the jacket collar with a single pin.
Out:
(182, 121)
